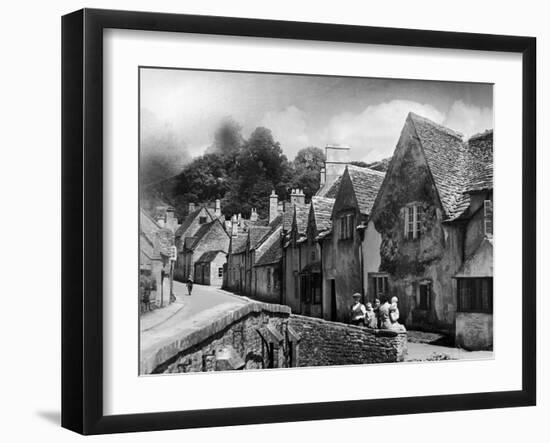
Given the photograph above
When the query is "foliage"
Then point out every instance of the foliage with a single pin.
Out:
(243, 172)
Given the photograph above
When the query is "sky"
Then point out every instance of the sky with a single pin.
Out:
(366, 114)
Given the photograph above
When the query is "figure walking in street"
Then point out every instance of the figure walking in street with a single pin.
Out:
(358, 311)
(189, 285)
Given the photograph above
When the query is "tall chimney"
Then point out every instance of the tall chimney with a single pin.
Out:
(218, 208)
(253, 215)
(297, 197)
(323, 176)
(234, 226)
(171, 221)
(273, 206)
(191, 207)
(337, 158)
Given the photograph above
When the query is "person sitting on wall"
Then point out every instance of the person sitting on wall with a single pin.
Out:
(376, 309)
(371, 321)
(189, 284)
(394, 315)
(358, 311)
(384, 316)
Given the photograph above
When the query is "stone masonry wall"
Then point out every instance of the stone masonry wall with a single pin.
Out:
(234, 341)
(237, 330)
(325, 343)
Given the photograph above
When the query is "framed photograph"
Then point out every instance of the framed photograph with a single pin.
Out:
(269, 221)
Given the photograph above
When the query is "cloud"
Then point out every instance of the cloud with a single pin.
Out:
(373, 133)
(289, 128)
(468, 119)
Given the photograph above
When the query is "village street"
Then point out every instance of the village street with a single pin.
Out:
(185, 315)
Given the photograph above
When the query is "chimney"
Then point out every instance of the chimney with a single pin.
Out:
(297, 197)
(234, 226)
(253, 215)
(273, 206)
(323, 176)
(171, 221)
(337, 158)
(218, 208)
(191, 207)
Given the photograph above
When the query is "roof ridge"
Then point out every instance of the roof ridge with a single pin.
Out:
(365, 169)
(419, 118)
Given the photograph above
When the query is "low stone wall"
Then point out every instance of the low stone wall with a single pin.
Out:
(236, 331)
(330, 343)
(261, 335)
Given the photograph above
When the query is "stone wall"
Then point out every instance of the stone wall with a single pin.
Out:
(326, 343)
(260, 335)
(238, 333)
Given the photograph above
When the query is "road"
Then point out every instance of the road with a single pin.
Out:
(185, 314)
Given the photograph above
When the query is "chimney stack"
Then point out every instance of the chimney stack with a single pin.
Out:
(273, 206)
(337, 158)
(297, 197)
(234, 226)
(191, 207)
(253, 215)
(218, 208)
(171, 221)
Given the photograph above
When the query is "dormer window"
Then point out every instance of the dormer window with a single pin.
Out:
(346, 226)
(412, 221)
(488, 218)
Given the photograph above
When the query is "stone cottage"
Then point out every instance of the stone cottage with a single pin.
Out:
(429, 237)
(155, 250)
(209, 237)
(294, 227)
(196, 218)
(342, 256)
(209, 268)
(310, 249)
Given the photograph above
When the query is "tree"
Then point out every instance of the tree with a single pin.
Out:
(311, 158)
(307, 167)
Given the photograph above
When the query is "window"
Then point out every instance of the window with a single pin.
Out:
(475, 295)
(313, 255)
(269, 278)
(413, 221)
(220, 272)
(202, 220)
(346, 226)
(379, 284)
(424, 295)
(488, 217)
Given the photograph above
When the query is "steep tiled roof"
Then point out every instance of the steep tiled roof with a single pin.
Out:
(366, 183)
(256, 234)
(238, 243)
(187, 222)
(302, 214)
(162, 238)
(203, 230)
(288, 215)
(331, 190)
(457, 167)
(208, 256)
(322, 211)
(272, 251)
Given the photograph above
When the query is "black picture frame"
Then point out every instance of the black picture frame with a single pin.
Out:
(82, 219)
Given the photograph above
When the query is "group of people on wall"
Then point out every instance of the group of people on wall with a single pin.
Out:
(375, 315)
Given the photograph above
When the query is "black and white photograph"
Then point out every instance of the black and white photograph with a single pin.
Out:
(291, 221)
